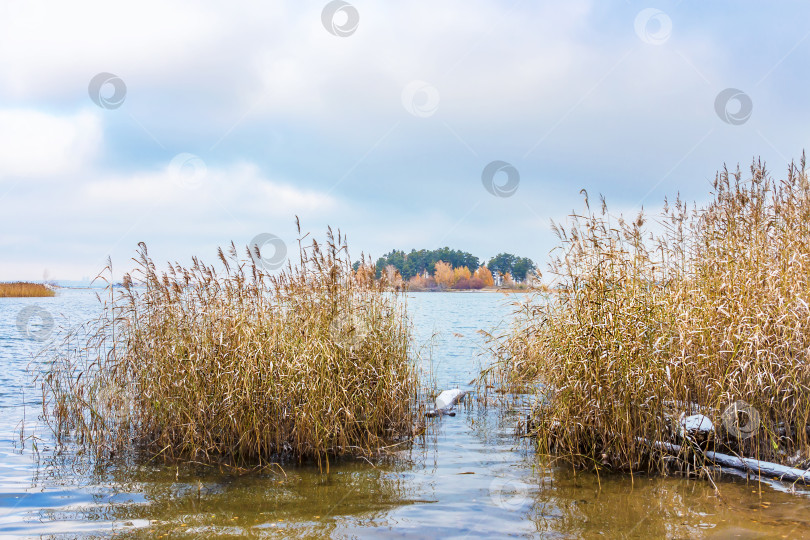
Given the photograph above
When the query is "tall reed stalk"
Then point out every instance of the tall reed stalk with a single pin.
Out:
(650, 328)
(230, 362)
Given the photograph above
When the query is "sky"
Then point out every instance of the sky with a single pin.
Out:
(463, 123)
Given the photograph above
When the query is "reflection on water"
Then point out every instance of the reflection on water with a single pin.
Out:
(574, 506)
(467, 476)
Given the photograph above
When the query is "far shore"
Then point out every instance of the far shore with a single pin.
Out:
(23, 289)
(501, 290)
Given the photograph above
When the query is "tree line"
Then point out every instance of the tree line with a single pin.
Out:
(423, 263)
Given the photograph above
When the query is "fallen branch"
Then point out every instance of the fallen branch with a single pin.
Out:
(761, 468)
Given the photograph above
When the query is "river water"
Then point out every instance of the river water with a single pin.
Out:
(469, 476)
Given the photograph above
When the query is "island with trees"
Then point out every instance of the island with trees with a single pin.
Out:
(452, 269)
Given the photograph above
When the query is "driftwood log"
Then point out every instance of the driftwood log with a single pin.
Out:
(750, 465)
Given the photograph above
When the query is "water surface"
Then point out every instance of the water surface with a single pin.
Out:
(468, 476)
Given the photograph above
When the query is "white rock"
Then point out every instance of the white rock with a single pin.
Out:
(448, 398)
(697, 422)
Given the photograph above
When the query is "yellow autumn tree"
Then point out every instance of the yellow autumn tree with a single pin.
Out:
(417, 283)
(365, 275)
(508, 281)
(461, 272)
(443, 274)
(390, 277)
(485, 275)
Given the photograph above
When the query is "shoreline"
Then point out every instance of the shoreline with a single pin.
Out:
(26, 289)
(503, 291)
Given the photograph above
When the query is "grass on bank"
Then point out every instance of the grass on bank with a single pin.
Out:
(653, 327)
(21, 289)
(232, 363)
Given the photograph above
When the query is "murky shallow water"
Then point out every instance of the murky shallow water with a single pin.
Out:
(467, 477)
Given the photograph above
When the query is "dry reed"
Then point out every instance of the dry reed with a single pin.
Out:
(20, 289)
(239, 365)
(651, 328)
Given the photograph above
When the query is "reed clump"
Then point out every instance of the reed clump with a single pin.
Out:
(237, 364)
(22, 289)
(712, 310)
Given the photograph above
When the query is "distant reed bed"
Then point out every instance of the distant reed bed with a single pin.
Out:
(228, 362)
(21, 289)
(712, 310)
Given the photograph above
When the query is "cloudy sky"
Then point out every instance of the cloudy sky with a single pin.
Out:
(190, 124)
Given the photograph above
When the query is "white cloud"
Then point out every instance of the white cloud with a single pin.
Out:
(38, 144)
(51, 49)
(73, 226)
(484, 56)
(241, 188)
(280, 109)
